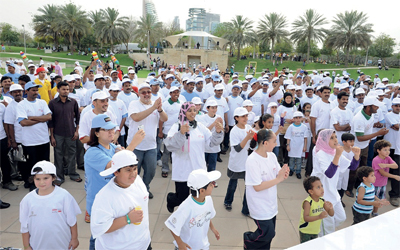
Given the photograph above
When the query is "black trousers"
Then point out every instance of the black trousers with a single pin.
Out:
(33, 155)
(395, 191)
(226, 137)
(181, 193)
(4, 161)
(262, 237)
(283, 157)
(309, 163)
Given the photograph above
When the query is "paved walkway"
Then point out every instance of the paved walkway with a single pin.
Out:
(231, 225)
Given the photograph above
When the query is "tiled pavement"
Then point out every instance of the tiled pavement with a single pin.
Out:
(231, 225)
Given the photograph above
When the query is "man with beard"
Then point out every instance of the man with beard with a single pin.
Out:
(341, 117)
(189, 94)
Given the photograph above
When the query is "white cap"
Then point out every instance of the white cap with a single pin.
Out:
(272, 104)
(275, 79)
(247, 103)
(200, 177)
(234, 75)
(298, 114)
(99, 95)
(308, 88)
(368, 79)
(379, 92)
(31, 65)
(314, 71)
(190, 81)
(385, 79)
(380, 86)
(52, 75)
(30, 61)
(240, 111)
(290, 86)
(119, 160)
(126, 80)
(364, 86)
(195, 100)
(199, 79)
(336, 86)
(211, 103)
(46, 166)
(131, 71)
(98, 76)
(219, 86)
(248, 77)
(173, 88)
(359, 91)
(130, 67)
(144, 85)
(256, 118)
(69, 78)
(15, 87)
(396, 101)
(76, 76)
(77, 63)
(370, 100)
(343, 86)
(169, 76)
(113, 71)
(298, 88)
(114, 87)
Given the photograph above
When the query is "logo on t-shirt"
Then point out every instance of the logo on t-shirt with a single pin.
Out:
(55, 210)
(200, 219)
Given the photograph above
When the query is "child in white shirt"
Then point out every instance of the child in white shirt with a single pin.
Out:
(249, 106)
(48, 213)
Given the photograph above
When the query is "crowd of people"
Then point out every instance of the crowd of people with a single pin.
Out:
(344, 131)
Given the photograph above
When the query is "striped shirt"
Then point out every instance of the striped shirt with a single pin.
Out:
(368, 196)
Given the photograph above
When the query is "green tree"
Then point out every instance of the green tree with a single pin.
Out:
(350, 30)
(309, 28)
(383, 46)
(272, 29)
(73, 23)
(239, 32)
(8, 34)
(283, 47)
(148, 28)
(302, 47)
(45, 24)
(112, 29)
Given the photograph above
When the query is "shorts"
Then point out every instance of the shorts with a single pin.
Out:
(307, 237)
(380, 192)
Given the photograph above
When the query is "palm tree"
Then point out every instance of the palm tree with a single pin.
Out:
(272, 29)
(73, 23)
(95, 17)
(308, 27)
(350, 30)
(45, 24)
(239, 32)
(148, 27)
(111, 28)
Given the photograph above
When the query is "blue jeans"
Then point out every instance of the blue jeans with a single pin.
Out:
(159, 143)
(276, 151)
(295, 164)
(230, 191)
(92, 243)
(148, 161)
(371, 152)
(211, 160)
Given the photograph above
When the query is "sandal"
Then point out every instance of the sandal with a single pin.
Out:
(87, 217)
(164, 174)
(349, 194)
(78, 180)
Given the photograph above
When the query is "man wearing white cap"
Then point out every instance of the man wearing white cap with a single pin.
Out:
(121, 112)
(275, 93)
(189, 94)
(88, 77)
(146, 114)
(115, 79)
(223, 107)
(255, 97)
(99, 83)
(133, 77)
(126, 95)
(79, 68)
(168, 81)
(31, 74)
(199, 90)
(234, 101)
(341, 118)
(376, 79)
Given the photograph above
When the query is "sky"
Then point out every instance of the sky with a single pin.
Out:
(383, 16)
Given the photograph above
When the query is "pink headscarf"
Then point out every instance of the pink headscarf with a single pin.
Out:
(323, 142)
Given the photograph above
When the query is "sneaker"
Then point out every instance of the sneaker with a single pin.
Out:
(298, 176)
(87, 217)
(159, 163)
(219, 159)
(10, 186)
(170, 208)
(27, 185)
(150, 195)
(228, 207)
(394, 202)
(290, 173)
(374, 214)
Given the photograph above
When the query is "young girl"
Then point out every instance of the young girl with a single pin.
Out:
(327, 161)
(288, 108)
(239, 138)
(306, 121)
(248, 105)
(48, 213)
(276, 120)
(263, 173)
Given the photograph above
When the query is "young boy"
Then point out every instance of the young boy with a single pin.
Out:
(313, 210)
(365, 196)
(189, 224)
(381, 165)
(348, 143)
(296, 136)
(247, 104)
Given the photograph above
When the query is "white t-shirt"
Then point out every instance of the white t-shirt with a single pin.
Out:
(120, 112)
(46, 216)
(392, 136)
(81, 92)
(326, 81)
(256, 99)
(2, 114)
(150, 124)
(344, 176)
(203, 94)
(223, 106)
(207, 121)
(296, 135)
(89, 85)
(342, 117)
(127, 98)
(250, 118)
(183, 162)
(275, 127)
(40, 130)
(276, 97)
(112, 202)
(32, 76)
(264, 100)
(321, 111)
(237, 160)
(10, 117)
(155, 97)
(289, 111)
(306, 99)
(321, 162)
(263, 205)
(233, 103)
(191, 222)
(362, 125)
(172, 110)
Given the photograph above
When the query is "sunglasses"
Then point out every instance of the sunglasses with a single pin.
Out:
(398, 105)
(145, 92)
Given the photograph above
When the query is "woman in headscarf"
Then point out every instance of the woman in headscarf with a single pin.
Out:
(187, 140)
(328, 162)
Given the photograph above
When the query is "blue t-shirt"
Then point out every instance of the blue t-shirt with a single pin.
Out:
(96, 159)
(189, 96)
(14, 76)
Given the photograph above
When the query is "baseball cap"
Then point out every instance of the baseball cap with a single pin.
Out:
(31, 65)
(297, 114)
(99, 95)
(154, 81)
(248, 77)
(15, 87)
(235, 75)
(31, 84)
(385, 79)
(247, 103)
(207, 76)
(219, 86)
(76, 76)
(197, 100)
(236, 86)
(245, 82)
(143, 85)
(153, 73)
(119, 160)
(126, 80)
(272, 104)
(215, 78)
(344, 86)
(131, 71)
(190, 81)
(379, 92)
(308, 88)
(396, 101)
(211, 103)
(46, 168)
(38, 70)
(69, 78)
(253, 81)
(169, 76)
(291, 86)
(102, 121)
(199, 79)
(370, 100)
(377, 74)
(77, 63)
(359, 91)
(98, 76)
(114, 87)
(336, 86)
(380, 86)
(11, 64)
(240, 111)
(200, 177)
(173, 88)
(113, 71)
(275, 79)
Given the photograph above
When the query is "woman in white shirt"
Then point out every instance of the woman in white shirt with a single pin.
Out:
(187, 141)
(120, 210)
(289, 107)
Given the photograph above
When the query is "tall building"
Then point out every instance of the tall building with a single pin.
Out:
(149, 8)
(200, 20)
(176, 23)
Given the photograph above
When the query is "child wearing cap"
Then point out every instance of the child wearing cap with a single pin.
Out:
(190, 223)
(248, 105)
(296, 136)
(120, 215)
(48, 214)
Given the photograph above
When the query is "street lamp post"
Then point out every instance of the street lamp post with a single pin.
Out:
(24, 38)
